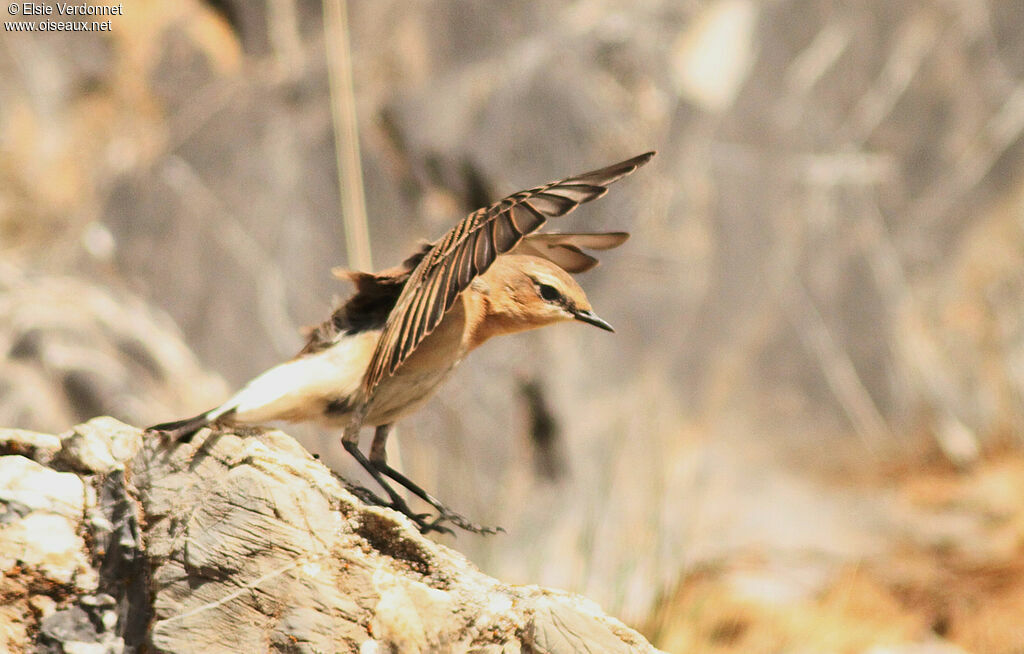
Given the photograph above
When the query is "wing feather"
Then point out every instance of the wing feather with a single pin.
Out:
(418, 317)
(550, 204)
(468, 250)
(566, 250)
(505, 235)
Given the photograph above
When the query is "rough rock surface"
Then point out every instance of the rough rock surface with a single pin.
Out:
(242, 542)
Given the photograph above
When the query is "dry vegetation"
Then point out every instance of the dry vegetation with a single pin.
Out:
(821, 300)
(952, 570)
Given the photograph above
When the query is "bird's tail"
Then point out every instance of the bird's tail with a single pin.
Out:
(183, 430)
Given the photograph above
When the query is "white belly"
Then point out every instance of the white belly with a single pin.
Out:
(299, 389)
(324, 387)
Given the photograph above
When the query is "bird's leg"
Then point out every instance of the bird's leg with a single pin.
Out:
(350, 441)
(379, 460)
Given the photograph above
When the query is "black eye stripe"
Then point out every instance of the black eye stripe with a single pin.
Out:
(549, 293)
(552, 295)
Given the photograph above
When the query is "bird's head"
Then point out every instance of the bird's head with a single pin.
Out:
(525, 292)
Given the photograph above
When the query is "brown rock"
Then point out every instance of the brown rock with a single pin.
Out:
(245, 543)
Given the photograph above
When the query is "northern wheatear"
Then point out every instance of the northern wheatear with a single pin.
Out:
(386, 350)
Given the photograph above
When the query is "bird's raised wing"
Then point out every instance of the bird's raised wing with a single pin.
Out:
(468, 250)
(565, 250)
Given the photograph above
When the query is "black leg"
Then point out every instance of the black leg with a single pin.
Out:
(397, 503)
(350, 441)
(378, 459)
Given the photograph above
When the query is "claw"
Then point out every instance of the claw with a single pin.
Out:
(457, 520)
(472, 527)
(425, 522)
(436, 525)
(367, 496)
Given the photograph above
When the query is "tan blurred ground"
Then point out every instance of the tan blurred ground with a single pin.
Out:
(950, 575)
(805, 435)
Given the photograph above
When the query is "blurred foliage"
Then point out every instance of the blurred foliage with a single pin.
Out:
(824, 281)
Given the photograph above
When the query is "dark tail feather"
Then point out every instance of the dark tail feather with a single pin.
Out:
(182, 430)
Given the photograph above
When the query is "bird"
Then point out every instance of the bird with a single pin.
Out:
(389, 347)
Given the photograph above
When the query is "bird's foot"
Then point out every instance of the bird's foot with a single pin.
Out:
(426, 525)
(421, 520)
(425, 522)
(367, 496)
(449, 516)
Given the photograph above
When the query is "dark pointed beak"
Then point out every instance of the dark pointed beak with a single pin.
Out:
(591, 318)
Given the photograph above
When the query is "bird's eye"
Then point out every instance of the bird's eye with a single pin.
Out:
(549, 293)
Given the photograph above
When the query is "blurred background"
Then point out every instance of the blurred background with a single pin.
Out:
(806, 435)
